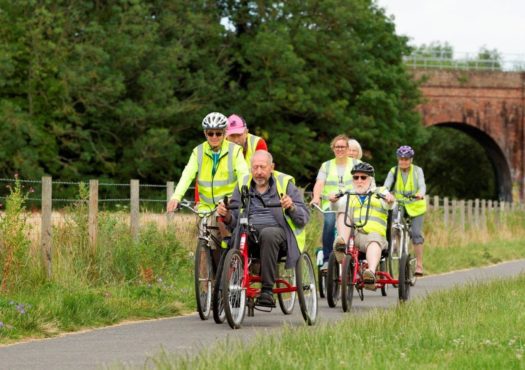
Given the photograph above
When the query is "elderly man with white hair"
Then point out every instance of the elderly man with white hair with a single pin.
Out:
(371, 238)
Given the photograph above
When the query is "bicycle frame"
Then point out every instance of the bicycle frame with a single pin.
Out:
(351, 251)
(244, 228)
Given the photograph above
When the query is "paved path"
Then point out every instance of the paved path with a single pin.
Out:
(132, 343)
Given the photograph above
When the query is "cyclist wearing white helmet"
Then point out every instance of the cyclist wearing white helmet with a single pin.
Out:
(217, 164)
(408, 181)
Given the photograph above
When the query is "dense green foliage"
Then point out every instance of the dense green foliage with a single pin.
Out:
(118, 89)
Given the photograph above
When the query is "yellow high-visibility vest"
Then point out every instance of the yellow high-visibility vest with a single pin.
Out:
(333, 183)
(281, 182)
(414, 207)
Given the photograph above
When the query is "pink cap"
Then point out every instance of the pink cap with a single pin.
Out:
(236, 125)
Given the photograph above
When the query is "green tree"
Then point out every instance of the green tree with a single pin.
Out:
(306, 70)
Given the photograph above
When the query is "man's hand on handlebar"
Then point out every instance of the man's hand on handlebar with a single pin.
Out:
(315, 201)
(287, 202)
(419, 196)
(173, 204)
(223, 211)
(334, 197)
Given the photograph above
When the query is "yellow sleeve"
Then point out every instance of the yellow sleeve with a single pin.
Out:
(241, 168)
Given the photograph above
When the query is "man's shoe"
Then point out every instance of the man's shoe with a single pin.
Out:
(324, 267)
(265, 300)
(369, 278)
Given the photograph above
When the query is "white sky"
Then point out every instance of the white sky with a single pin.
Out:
(467, 25)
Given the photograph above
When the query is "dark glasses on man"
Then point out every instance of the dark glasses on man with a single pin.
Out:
(362, 177)
(340, 147)
(214, 133)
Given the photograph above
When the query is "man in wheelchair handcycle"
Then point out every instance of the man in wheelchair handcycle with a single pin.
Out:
(277, 230)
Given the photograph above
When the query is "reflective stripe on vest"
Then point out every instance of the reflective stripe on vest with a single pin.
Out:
(332, 182)
(251, 144)
(414, 207)
(377, 216)
(213, 189)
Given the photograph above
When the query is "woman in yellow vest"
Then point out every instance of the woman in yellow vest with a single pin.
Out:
(408, 180)
(371, 238)
(334, 176)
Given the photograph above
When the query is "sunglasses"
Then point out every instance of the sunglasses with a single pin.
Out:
(214, 133)
(340, 147)
(362, 177)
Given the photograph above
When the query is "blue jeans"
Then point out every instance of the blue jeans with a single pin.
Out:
(328, 235)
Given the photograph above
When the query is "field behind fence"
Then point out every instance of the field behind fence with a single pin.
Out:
(140, 204)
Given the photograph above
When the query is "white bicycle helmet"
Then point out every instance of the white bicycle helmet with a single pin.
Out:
(214, 120)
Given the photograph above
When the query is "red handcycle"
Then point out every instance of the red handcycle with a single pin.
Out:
(240, 281)
(354, 264)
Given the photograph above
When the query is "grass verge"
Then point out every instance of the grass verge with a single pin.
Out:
(473, 327)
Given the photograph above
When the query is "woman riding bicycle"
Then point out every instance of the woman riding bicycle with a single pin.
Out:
(407, 182)
(333, 177)
(371, 238)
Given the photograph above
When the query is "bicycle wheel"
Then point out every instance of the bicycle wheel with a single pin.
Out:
(286, 300)
(306, 288)
(321, 279)
(203, 279)
(347, 283)
(332, 281)
(233, 292)
(394, 253)
(216, 298)
(404, 277)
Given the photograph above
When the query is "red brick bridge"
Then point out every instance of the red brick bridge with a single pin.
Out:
(487, 105)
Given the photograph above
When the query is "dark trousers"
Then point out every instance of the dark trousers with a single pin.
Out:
(328, 235)
(272, 239)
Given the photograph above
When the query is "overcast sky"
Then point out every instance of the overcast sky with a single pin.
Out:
(467, 25)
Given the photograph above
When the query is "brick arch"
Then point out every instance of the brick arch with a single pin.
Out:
(496, 156)
(487, 105)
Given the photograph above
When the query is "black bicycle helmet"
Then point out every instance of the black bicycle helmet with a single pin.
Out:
(363, 167)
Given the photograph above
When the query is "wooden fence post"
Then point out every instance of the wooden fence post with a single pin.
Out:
(445, 211)
(462, 214)
(93, 214)
(134, 209)
(46, 228)
(476, 212)
(470, 212)
(436, 202)
(170, 188)
(454, 211)
(484, 213)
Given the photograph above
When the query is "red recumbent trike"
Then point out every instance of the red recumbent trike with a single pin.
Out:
(354, 264)
(240, 282)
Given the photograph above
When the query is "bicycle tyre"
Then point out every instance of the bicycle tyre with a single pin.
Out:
(404, 277)
(203, 278)
(332, 281)
(347, 283)
(306, 288)
(233, 292)
(217, 307)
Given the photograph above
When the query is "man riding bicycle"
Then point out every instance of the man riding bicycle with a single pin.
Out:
(218, 165)
(371, 238)
(408, 181)
(278, 229)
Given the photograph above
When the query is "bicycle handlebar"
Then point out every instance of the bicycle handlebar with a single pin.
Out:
(315, 206)
(187, 204)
